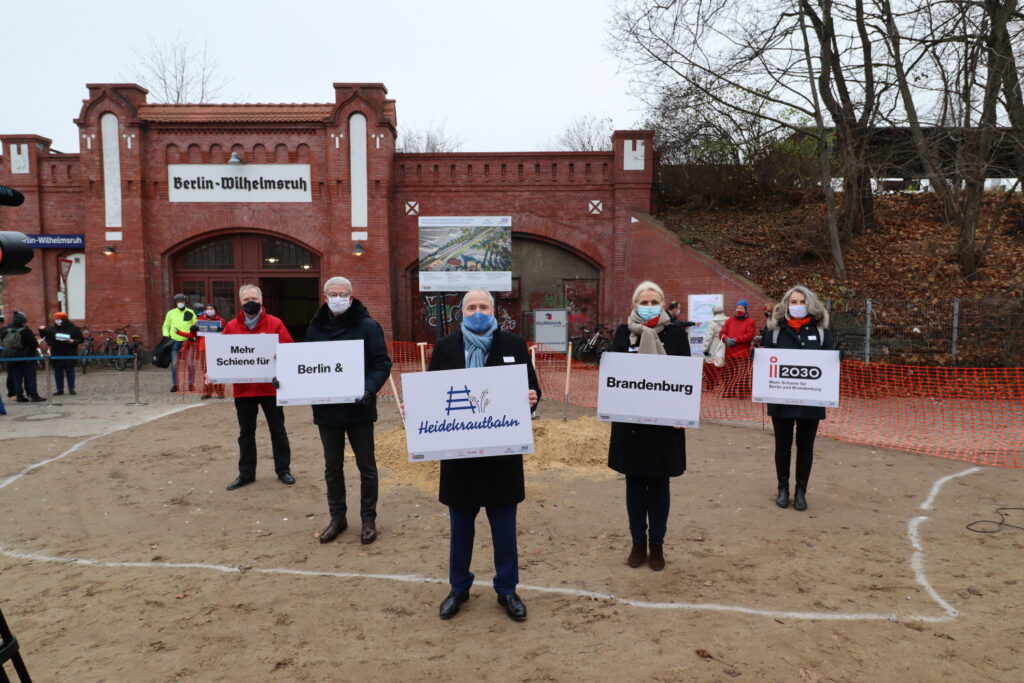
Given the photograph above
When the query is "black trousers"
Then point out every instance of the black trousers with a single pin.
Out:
(648, 499)
(248, 408)
(360, 437)
(23, 376)
(806, 430)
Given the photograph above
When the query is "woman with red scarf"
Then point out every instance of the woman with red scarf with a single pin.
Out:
(799, 321)
(648, 454)
(737, 333)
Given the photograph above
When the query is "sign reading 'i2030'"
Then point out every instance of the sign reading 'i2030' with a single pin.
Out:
(238, 183)
(800, 377)
(460, 253)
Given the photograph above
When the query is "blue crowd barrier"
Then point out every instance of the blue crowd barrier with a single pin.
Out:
(38, 358)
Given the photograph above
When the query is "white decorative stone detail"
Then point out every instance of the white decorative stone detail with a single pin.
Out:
(111, 169)
(633, 155)
(114, 236)
(412, 208)
(359, 192)
(19, 158)
(377, 137)
(337, 139)
(357, 235)
(596, 207)
(128, 139)
(88, 137)
(634, 219)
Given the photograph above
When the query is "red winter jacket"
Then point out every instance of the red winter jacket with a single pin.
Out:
(267, 324)
(743, 331)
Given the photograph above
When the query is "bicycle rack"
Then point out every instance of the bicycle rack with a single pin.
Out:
(9, 653)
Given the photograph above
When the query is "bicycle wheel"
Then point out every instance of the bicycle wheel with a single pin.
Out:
(603, 344)
(107, 349)
(121, 351)
(84, 362)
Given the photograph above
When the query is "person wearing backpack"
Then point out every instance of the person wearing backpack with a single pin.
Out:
(799, 321)
(19, 342)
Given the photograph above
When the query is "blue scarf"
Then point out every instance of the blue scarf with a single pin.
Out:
(478, 345)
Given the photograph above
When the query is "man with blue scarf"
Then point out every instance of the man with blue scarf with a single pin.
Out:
(494, 483)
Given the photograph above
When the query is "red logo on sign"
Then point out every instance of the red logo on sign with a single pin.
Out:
(773, 369)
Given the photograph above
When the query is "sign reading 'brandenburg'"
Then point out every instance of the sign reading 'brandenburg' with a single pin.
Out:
(238, 183)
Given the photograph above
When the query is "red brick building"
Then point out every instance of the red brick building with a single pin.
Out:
(344, 203)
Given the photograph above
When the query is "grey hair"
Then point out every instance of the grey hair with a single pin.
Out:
(489, 296)
(249, 286)
(644, 286)
(815, 308)
(718, 310)
(338, 281)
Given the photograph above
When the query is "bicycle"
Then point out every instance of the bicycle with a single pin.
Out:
(588, 348)
(122, 346)
(86, 349)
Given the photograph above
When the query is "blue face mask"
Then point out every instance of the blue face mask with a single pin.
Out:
(648, 312)
(478, 322)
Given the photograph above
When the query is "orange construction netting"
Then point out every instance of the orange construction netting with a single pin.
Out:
(970, 414)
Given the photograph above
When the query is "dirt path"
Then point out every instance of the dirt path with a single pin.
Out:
(768, 594)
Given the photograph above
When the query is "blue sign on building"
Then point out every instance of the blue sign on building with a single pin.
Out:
(55, 241)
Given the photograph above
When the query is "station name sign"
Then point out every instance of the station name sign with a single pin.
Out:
(238, 183)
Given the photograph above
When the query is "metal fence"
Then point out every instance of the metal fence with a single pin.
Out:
(964, 332)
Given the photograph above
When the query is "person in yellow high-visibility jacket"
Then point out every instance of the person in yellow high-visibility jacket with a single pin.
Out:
(177, 325)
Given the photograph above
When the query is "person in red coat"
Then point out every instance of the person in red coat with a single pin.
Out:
(249, 398)
(737, 333)
(214, 324)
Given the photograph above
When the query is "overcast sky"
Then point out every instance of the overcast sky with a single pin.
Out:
(505, 76)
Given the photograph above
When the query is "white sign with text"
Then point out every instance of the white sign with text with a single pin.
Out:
(320, 372)
(649, 389)
(240, 358)
(238, 183)
(472, 413)
(798, 377)
(551, 328)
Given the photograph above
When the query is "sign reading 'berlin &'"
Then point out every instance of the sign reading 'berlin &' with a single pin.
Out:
(238, 183)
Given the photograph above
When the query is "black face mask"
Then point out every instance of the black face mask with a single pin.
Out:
(251, 308)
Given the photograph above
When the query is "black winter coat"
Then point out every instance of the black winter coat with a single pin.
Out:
(649, 450)
(63, 348)
(483, 482)
(789, 339)
(355, 323)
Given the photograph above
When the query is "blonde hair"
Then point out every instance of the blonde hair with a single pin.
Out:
(815, 309)
(643, 287)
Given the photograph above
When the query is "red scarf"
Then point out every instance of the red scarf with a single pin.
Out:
(798, 323)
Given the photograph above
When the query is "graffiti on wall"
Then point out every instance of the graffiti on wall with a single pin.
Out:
(580, 304)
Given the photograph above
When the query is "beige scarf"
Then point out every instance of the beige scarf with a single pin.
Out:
(648, 339)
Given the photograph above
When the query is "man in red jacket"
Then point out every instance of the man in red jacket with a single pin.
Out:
(737, 333)
(249, 398)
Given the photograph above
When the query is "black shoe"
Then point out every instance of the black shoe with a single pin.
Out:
(783, 500)
(239, 483)
(174, 389)
(514, 606)
(21, 399)
(38, 399)
(59, 393)
(204, 397)
(450, 605)
(72, 392)
(799, 499)
(286, 478)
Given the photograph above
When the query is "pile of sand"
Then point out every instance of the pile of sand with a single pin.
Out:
(580, 445)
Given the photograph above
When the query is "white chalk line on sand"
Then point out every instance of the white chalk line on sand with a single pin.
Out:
(917, 564)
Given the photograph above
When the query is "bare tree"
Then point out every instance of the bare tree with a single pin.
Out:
(178, 71)
(429, 140)
(585, 134)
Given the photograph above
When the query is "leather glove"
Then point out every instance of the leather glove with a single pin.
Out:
(366, 399)
(729, 341)
(277, 385)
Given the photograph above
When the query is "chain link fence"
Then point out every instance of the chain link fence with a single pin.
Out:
(964, 332)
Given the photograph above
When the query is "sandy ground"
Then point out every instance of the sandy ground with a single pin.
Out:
(751, 592)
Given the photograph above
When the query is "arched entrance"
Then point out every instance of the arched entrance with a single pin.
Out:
(211, 271)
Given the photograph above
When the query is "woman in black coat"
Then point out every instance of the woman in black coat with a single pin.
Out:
(799, 321)
(494, 483)
(649, 455)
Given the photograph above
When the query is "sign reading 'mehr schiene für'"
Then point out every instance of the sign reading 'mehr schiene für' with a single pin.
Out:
(238, 183)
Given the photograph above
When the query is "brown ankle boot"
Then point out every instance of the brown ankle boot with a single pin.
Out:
(637, 555)
(657, 557)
